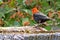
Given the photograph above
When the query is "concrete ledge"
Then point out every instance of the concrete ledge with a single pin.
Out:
(40, 36)
(12, 33)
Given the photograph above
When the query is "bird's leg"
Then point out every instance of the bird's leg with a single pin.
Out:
(45, 24)
(40, 24)
(36, 25)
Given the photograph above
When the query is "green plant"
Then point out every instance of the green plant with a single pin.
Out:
(16, 12)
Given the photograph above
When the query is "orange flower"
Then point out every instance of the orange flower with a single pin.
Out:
(20, 15)
(13, 16)
(26, 23)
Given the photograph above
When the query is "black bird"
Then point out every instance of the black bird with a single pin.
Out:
(39, 17)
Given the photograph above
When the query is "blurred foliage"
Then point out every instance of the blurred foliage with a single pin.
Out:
(18, 12)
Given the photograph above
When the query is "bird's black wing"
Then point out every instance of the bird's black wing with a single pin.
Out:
(40, 17)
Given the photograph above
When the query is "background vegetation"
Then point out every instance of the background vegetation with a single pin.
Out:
(18, 12)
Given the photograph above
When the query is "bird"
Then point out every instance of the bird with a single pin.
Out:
(38, 16)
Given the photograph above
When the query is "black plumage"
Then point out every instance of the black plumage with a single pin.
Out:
(40, 17)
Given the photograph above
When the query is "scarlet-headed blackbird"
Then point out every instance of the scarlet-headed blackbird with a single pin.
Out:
(39, 17)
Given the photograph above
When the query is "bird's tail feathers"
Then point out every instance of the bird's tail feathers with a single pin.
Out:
(52, 19)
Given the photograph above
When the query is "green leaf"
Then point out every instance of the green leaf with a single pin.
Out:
(25, 20)
(27, 11)
(1, 15)
(58, 20)
(12, 3)
(49, 22)
(1, 2)
(32, 22)
(58, 0)
(45, 4)
(19, 2)
(48, 27)
(58, 25)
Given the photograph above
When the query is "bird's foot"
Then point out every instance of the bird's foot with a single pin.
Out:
(45, 24)
(37, 26)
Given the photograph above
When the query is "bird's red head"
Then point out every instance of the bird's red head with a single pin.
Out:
(35, 10)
